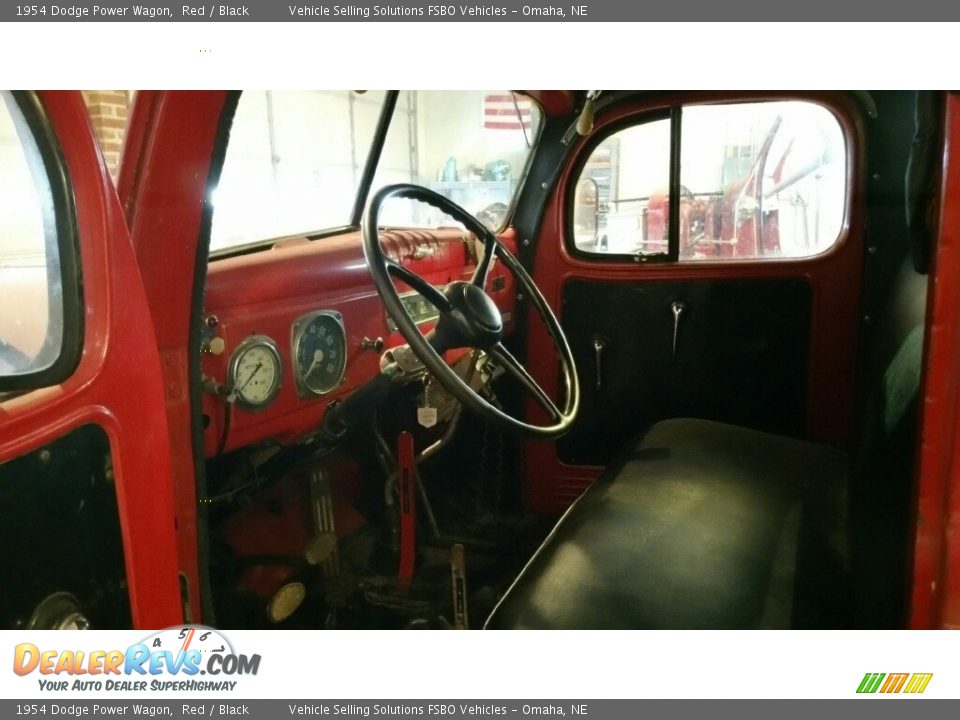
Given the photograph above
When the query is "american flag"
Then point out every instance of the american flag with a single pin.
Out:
(500, 112)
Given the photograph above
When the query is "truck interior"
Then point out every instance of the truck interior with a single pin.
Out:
(480, 359)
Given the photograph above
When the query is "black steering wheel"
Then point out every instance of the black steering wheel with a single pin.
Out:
(468, 317)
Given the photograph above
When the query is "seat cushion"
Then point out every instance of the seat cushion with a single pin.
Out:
(699, 525)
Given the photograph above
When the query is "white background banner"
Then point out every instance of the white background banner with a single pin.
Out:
(562, 665)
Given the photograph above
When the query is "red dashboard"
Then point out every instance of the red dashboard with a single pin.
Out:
(265, 293)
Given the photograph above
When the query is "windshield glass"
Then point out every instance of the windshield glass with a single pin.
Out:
(293, 164)
(471, 146)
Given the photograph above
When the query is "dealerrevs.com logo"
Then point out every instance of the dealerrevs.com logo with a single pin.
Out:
(171, 660)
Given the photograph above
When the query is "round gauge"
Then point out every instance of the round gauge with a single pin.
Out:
(255, 372)
(320, 352)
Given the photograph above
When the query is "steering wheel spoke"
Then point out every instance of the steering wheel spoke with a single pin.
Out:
(520, 373)
(482, 271)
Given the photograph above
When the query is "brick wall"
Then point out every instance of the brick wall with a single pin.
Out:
(108, 112)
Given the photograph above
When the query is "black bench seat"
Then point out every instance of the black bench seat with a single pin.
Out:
(699, 525)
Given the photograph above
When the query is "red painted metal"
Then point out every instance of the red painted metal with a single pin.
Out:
(118, 383)
(935, 597)
(163, 187)
(281, 524)
(835, 278)
(554, 102)
(266, 292)
(407, 500)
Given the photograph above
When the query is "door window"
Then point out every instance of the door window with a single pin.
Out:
(37, 285)
(756, 180)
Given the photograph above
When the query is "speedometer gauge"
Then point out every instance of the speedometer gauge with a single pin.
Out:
(255, 372)
(320, 352)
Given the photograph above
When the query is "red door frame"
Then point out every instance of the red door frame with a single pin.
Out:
(163, 184)
(117, 384)
(935, 601)
(551, 485)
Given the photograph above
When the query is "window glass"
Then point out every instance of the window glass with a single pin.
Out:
(470, 146)
(757, 180)
(760, 180)
(293, 164)
(620, 204)
(31, 297)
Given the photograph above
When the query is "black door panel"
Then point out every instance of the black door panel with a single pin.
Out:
(60, 532)
(741, 357)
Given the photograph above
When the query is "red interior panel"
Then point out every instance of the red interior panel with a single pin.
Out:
(835, 279)
(265, 292)
(118, 382)
(163, 188)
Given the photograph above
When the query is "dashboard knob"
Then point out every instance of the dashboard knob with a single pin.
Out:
(215, 346)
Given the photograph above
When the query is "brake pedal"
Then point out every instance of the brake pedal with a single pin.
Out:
(321, 550)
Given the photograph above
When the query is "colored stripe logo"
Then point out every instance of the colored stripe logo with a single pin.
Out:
(911, 683)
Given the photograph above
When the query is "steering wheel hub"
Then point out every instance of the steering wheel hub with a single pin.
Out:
(481, 308)
(473, 320)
